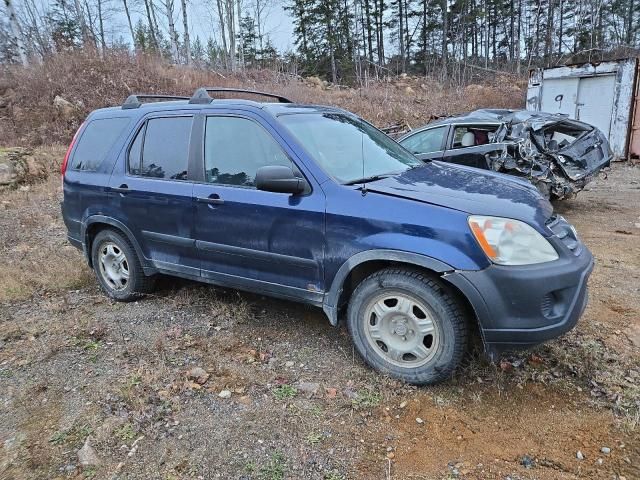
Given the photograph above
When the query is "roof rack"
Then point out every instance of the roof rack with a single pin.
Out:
(201, 95)
(133, 101)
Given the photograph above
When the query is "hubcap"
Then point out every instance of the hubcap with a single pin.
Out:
(401, 328)
(114, 266)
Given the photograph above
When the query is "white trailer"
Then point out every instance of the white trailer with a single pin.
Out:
(601, 94)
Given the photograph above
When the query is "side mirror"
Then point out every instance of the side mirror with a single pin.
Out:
(280, 180)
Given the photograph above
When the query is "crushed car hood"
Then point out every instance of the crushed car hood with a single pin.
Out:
(471, 190)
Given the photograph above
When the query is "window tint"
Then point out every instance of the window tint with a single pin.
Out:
(426, 141)
(166, 148)
(96, 141)
(235, 148)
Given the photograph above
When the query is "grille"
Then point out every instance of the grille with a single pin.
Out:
(565, 233)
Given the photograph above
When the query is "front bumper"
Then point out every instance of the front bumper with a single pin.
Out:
(521, 306)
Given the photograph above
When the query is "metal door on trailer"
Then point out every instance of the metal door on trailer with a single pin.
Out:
(595, 101)
(559, 95)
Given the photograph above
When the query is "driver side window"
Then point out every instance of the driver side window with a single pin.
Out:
(426, 141)
(235, 148)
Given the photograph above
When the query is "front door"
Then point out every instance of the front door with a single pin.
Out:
(427, 144)
(154, 193)
(247, 237)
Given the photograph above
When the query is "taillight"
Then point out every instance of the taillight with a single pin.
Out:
(65, 162)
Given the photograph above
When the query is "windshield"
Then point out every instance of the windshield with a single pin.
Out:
(348, 148)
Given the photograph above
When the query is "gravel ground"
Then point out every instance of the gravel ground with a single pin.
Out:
(198, 382)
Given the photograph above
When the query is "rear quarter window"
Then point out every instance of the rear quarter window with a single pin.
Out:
(96, 141)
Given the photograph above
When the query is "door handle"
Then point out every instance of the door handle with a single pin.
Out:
(124, 188)
(211, 200)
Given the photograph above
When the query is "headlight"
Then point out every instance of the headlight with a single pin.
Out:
(511, 242)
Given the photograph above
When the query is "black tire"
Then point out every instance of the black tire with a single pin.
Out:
(137, 283)
(448, 342)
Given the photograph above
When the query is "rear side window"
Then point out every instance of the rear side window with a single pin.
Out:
(161, 149)
(96, 142)
(472, 136)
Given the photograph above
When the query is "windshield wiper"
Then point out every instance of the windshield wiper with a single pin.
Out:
(372, 178)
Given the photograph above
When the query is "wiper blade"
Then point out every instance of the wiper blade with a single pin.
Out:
(372, 178)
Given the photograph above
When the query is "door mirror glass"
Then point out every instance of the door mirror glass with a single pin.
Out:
(279, 179)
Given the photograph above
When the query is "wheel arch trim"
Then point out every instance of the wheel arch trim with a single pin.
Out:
(103, 219)
(332, 296)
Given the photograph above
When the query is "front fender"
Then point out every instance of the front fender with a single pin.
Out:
(332, 296)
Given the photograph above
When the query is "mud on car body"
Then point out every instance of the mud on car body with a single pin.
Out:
(556, 154)
(313, 204)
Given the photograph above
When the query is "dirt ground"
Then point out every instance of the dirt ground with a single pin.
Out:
(198, 382)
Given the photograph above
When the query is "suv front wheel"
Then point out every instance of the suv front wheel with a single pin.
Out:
(408, 325)
(118, 268)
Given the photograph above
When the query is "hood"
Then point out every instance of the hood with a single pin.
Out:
(469, 190)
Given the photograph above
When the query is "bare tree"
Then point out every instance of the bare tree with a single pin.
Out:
(36, 29)
(231, 30)
(103, 42)
(187, 41)
(128, 14)
(223, 29)
(239, 37)
(16, 31)
(173, 34)
(82, 21)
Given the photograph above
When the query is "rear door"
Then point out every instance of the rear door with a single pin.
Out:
(472, 153)
(245, 236)
(153, 191)
(427, 144)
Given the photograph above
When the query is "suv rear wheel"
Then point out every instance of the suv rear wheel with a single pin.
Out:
(118, 268)
(408, 325)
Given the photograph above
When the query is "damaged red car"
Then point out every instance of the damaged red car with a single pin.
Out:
(556, 154)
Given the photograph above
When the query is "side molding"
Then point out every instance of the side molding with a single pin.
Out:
(331, 298)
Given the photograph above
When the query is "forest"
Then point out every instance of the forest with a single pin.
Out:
(341, 41)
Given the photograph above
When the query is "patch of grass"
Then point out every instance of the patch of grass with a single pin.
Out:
(89, 472)
(314, 438)
(316, 411)
(250, 467)
(91, 345)
(334, 475)
(125, 432)
(74, 435)
(274, 469)
(134, 380)
(58, 438)
(282, 392)
(366, 399)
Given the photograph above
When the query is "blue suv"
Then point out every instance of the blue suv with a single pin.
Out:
(313, 204)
